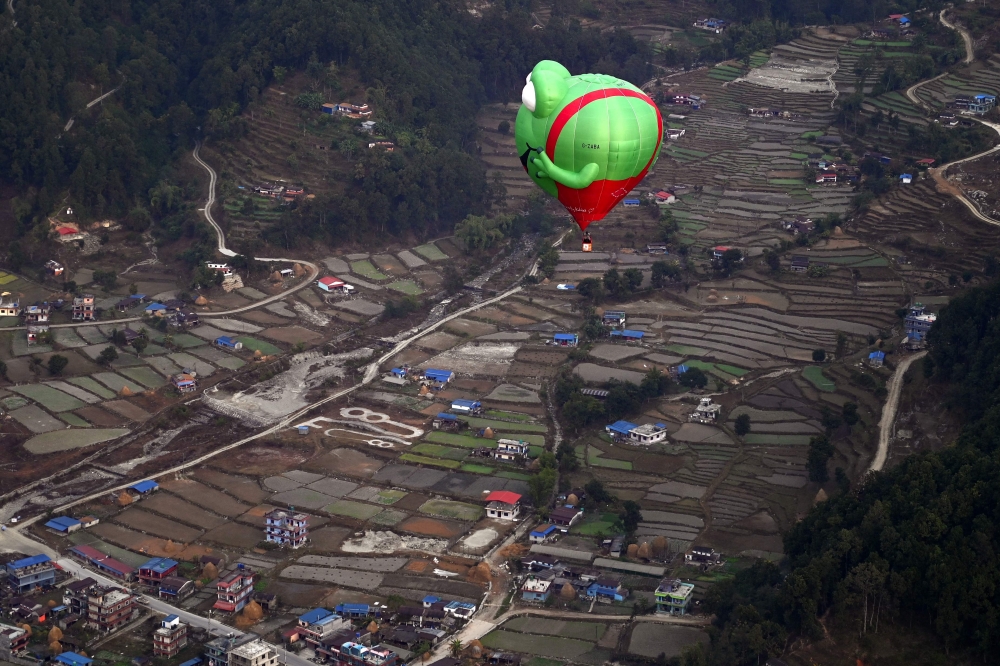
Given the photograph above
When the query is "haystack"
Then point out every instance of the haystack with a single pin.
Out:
(821, 496)
(124, 499)
(659, 546)
(55, 647)
(514, 551)
(545, 281)
(169, 546)
(480, 573)
(712, 298)
(210, 571)
(372, 627)
(644, 551)
(713, 292)
(298, 270)
(424, 390)
(567, 593)
(633, 550)
(572, 500)
(52, 603)
(125, 391)
(26, 627)
(55, 634)
(258, 353)
(275, 276)
(201, 300)
(488, 433)
(837, 231)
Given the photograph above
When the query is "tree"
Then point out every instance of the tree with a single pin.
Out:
(581, 410)
(453, 282)
(455, 648)
(820, 452)
(615, 284)
(693, 378)
(662, 271)
(841, 348)
(773, 260)
(107, 355)
(3, 370)
(139, 344)
(633, 278)
(850, 413)
(592, 290)
(742, 425)
(630, 516)
(504, 127)
(730, 260)
(540, 486)
(596, 492)
(819, 355)
(57, 363)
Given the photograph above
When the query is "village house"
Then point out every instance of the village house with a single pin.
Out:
(234, 589)
(13, 641)
(109, 608)
(228, 342)
(800, 263)
(664, 198)
(673, 596)
(170, 637)
(510, 450)
(613, 318)
(799, 225)
(905, 178)
(694, 101)
(64, 524)
(184, 382)
(706, 412)
(826, 177)
(10, 306)
(607, 589)
(54, 268)
(917, 323)
(711, 24)
(83, 308)
(466, 406)
(543, 533)
(155, 570)
(566, 339)
(286, 528)
(535, 588)
(103, 563)
(565, 516)
(269, 190)
(175, 588)
(31, 573)
(503, 505)
(876, 359)
(673, 134)
(387, 146)
(702, 555)
(438, 376)
(446, 422)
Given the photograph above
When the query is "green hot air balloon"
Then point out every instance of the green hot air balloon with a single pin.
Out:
(586, 140)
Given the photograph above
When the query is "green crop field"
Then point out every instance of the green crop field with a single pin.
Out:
(539, 644)
(366, 269)
(595, 524)
(49, 398)
(449, 509)
(508, 415)
(389, 496)
(88, 384)
(585, 631)
(814, 374)
(253, 344)
(352, 509)
(439, 451)
(145, 376)
(430, 252)
(460, 440)
(406, 287)
(782, 440)
(868, 42)
(74, 420)
(812, 134)
(476, 469)
(433, 462)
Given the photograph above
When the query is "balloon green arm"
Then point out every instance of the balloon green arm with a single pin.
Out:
(575, 179)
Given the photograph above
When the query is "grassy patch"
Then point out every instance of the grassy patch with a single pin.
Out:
(868, 42)
(542, 661)
(433, 462)
(812, 135)
(594, 525)
(549, 646)
(782, 440)
(389, 496)
(685, 350)
(814, 374)
(503, 425)
(439, 451)
(798, 156)
(430, 252)
(508, 415)
(50, 398)
(253, 344)
(366, 269)
(460, 440)
(352, 509)
(785, 181)
(406, 287)
(594, 458)
(449, 509)
(517, 476)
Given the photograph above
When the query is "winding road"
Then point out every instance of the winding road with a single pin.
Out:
(941, 178)
(911, 92)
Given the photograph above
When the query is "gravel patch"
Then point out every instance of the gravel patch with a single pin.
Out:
(92, 335)
(303, 497)
(336, 264)
(360, 306)
(506, 335)
(411, 260)
(207, 332)
(390, 542)
(281, 484)
(236, 325)
(490, 358)
(250, 292)
(591, 372)
(610, 352)
(512, 393)
(163, 365)
(302, 476)
(333, 487)
(359, 580)
(380, 564)
(35, 419)
(309, 315)
(67, 338)
(188, 361)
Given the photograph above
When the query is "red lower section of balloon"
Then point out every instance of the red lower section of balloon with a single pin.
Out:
(596, 200)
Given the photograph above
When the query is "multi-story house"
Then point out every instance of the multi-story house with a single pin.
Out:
(256, 653)
(217, 650)
(31, 573)
(83, 308)
(673, 596)
(155, 570)
(286, 528)
(13, 640)
(109, 608)
(170, 638)
(234, 589)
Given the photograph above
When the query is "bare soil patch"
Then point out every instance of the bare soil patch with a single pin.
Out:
(242, 489)
(298, 594)
(176, 508)
(263, 317)
(347, 461)
(127, 409)
(235, 534)
(469, 328)
(411, 502)
(99, 417)
(119, 535)
(264, 460)
(328, 539)
(202, 495)
(543, 357)
(149, 523)
(431, 527)
(291, 334)
(439, 341)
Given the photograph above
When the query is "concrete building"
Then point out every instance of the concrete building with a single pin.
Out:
(175, 588)
(13, 640)
(256, 653)
(511, 450)
(503, 504)
(917, 323)
(286, 528)
(170, 638)
(83, 308)
(673, 596)
(234, 589)
(109, 608)
(31, 573)
(217, 650)
(155, 570)
(536, 588)
(705, 412)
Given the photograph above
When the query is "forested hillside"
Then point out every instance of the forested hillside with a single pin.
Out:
(188, 69)
(916, 547)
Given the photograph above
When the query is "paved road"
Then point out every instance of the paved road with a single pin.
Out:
(212, 179)
(940, 177)
(889, 412)
(10, 6)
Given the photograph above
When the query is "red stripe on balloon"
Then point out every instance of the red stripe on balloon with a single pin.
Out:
(576, 105)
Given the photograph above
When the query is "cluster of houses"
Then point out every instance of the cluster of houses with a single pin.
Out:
(348, 110)
(646, 434)
(711, 24)
(975, 104)
(687, 99)
(615, 320)
(433, 378)
(279, 191)
(548, 576)
(767, 112)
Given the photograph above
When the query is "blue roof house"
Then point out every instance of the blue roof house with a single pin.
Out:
(620, 428)
(631, 203)
(566, 339)
(145, 487)
(228, 342)
(627, 334)
(906, 178)
(542, 533)
(607, 588)
(64, 524)
(466, 406)
(354, 611)
(30, 573)
(314, 616)
(74, 659)
(876, 359)
(443, 376)
(158, 309)
(430, 600)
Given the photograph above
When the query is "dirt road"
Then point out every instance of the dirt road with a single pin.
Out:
(969, 55)
(911, 92)
(889, 412)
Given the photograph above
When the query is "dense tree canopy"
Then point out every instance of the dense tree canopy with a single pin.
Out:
(185, 69)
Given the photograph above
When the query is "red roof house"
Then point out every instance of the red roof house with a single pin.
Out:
(503, 504)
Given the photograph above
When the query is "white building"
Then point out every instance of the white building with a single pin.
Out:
(257, 653)
(648, 433)
(705, 412)
(503, 505)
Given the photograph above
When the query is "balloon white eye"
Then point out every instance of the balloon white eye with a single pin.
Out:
(528, 96)
(527, 79)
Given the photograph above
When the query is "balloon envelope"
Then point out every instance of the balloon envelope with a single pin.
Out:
(586, 140)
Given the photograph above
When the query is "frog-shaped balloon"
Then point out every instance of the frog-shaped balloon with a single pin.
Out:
(586, 140)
